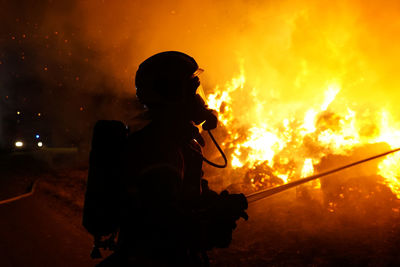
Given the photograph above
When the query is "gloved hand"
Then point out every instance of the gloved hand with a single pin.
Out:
(219, 215)
(235, 204)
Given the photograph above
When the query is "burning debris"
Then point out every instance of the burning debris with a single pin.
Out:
(266, 151)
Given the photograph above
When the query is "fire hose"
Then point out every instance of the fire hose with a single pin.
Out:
(272, 191)
(30, 193)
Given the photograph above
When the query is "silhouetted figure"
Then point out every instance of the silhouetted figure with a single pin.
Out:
(165, 212)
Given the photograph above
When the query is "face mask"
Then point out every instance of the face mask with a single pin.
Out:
(200, 114)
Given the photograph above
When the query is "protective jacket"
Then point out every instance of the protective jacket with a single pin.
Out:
(161, 188)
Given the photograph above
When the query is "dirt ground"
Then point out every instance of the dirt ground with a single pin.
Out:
(287, 229)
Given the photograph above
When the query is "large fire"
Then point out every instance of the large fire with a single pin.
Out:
(273, 149)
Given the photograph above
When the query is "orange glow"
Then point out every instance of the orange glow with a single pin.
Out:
(332, 125)
(291, 80)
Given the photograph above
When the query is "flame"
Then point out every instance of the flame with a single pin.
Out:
(330, 95)
(308, 168)
(290, 142)
(262, 147)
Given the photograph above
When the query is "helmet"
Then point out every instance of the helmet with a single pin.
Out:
(170, 78)
(165, 77)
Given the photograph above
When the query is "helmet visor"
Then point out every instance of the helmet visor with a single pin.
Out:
(197, 72)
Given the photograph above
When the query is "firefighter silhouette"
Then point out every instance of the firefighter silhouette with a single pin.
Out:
(162, 208)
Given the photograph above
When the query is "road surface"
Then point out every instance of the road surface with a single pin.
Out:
(35, 232)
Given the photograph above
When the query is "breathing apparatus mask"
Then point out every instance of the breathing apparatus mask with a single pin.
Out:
(194, 104)
(167, 84)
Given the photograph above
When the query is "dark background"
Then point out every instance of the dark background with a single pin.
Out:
(50, 83)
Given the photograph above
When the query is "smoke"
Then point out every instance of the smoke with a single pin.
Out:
(291, 51)
(290, 48)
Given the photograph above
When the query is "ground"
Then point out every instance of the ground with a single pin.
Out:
(287, 229)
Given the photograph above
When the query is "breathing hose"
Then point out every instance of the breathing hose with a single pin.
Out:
(220, 151)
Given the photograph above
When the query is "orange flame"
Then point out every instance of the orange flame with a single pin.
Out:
(258, 136)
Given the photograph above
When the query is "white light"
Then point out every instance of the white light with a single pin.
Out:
(39, 144)
(19, 144)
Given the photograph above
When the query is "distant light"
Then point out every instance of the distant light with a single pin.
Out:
(39, 144)
(37, 136)
(19, 144)
(39, 114)
(18, 112)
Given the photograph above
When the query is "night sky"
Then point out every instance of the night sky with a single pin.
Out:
(54, 77)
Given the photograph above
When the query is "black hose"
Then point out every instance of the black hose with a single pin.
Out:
(220, 151)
